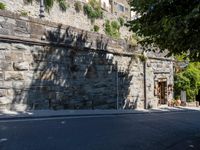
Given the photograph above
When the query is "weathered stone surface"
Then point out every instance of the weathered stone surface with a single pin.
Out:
(4, 46)
(13, 75)
(4, 31)
(1, 75)
(20, 47)
(2, 56)
(11, 21)
(18, 84)
(21, 24)
(6, 65)
(21, 66)
(5, 101)
(6, 85)
(2, 92)
(75, 78)
(16, 56)
(2, 19)
(37, 29)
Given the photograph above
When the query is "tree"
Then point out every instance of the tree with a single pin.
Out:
(189, 81)
(168, 24)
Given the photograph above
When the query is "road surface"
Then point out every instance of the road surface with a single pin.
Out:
(153, 131)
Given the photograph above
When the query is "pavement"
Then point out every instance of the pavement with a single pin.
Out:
(26, 114)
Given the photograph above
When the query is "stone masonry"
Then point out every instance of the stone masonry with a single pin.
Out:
(50, 65)
(70, 17)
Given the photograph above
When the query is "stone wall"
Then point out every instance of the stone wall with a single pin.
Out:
(48, 65)
(70, 17)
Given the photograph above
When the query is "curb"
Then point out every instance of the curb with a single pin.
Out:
(92, 115)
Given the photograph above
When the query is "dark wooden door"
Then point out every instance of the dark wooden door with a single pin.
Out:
(162, 86)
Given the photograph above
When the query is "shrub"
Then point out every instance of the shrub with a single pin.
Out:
(96, 28)
(23, 13)
(49, 4)
(133, 40)
(63, 5)
(2, 6)
(112, 29)
(121, 21)
(115, 25)
(78, 6)
(93, 10)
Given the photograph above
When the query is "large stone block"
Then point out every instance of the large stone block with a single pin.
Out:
(20, 66)
(21, 47)
(16, 56)
(36, 29)
(4, 31)
(28, 57)
(5, 101)
(13, 75)
(21, 24)
(6, 65)
(18, 84)
(6, 84)
(11, 21)
(4, 46)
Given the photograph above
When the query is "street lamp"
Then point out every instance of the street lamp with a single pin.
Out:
(41, 9)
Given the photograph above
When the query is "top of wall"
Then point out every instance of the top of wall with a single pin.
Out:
(70, 17)
(31, 30)
(39, 31)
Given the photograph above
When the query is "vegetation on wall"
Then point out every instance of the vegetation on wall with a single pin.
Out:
(78, 6)
(121, 21)
(133, 40)
(96, 28)
(188, 80)
(63, 5)
(49, 4)
(112, 29)
(2, 6)
(93, 10)
(23, 13)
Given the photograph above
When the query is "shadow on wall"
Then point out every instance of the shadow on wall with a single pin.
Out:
(66, 75)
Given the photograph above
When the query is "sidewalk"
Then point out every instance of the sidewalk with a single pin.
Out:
(7, 114)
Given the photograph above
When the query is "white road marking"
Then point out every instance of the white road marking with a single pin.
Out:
(3, 140)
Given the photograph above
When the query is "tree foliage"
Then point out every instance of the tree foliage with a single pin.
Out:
(189, 81)
(168, 24)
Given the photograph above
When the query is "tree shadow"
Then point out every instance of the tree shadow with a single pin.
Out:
(74, 72)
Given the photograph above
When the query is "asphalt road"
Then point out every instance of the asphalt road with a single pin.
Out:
(155, 131)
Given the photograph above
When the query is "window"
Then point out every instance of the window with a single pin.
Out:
(120, 7)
